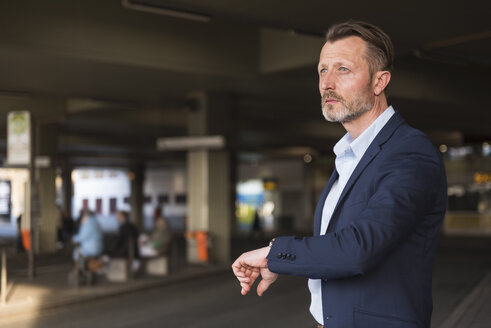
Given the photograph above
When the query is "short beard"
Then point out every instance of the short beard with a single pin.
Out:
(350, 110)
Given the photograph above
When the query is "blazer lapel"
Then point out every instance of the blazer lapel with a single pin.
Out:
(322, 200)
(387, 131)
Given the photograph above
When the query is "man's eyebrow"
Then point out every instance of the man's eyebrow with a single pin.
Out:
(336, 63)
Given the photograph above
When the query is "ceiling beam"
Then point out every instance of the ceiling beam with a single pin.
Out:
(103, 31)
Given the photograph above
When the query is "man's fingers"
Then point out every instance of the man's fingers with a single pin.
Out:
(248, 267)
(239, 274)
(237, 266)
(245, 288)
(244, 279)
(248, 280)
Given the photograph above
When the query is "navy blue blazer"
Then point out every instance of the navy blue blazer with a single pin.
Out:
(376, 259)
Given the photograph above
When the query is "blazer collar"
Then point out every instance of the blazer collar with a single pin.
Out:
(322, 200)
(385, 134)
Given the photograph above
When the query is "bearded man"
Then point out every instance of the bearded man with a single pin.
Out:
(370, 259)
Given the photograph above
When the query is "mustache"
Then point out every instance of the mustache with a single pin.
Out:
(331, 95)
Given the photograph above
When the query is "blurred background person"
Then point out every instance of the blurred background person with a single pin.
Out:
(66, 229)
(257, 226)
(126, 239)
(20, 244)
(158, 242)
(89, 239)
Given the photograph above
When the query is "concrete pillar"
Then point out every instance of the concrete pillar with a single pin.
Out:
(234, 173)
(45, 176)
(136, 197)
(45, 113)
(49, 221)
(209, 201)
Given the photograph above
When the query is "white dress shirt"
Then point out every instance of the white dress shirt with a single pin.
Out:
(348, 153)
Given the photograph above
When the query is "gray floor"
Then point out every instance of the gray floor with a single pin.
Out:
(457, 271)
(206, 302)
(216, 301)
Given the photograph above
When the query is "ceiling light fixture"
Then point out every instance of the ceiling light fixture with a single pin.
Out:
(159, 10)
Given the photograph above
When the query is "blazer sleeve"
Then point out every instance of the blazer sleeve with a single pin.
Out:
(406, 188)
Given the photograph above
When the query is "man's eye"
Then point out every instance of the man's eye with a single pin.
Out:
(323, 70)
(343, 69)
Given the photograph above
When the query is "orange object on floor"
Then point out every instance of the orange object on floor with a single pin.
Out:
(202, 245)
(26, 239)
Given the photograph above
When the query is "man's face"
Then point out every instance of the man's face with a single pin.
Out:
(344, 80)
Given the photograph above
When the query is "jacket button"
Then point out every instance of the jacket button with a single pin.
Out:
(293, 257)
(279, 256)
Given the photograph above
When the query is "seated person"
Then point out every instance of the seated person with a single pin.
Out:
(89, 237)
(159, 240)
(127, 235)
(89, 242)
(126, 240)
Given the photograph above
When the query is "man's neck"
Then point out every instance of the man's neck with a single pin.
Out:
(356, 127)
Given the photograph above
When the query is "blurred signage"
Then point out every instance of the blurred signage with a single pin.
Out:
(19, 138)
(190, 143)
(42, 161)
(480, 177)
(270, 184)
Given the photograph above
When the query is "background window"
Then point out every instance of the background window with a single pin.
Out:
(163, 199)
(181, 199)
(98, 205)
(113, 205)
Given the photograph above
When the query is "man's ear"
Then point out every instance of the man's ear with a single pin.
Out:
(381, 79)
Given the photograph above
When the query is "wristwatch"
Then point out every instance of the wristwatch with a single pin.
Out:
(271, 242)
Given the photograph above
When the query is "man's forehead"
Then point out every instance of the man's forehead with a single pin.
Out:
(349, 48)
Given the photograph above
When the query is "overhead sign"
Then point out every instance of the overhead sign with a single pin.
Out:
(190, 143)
(19, 138)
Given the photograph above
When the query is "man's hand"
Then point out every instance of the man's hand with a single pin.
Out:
(249, 266)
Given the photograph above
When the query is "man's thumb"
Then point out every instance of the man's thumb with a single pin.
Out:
(263, 286)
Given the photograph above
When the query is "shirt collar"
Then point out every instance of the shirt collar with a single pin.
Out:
(359, 145)
(343, 145)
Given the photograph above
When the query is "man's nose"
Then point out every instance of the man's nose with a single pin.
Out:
(327, 82)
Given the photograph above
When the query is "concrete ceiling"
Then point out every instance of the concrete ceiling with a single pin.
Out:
(123, 76)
